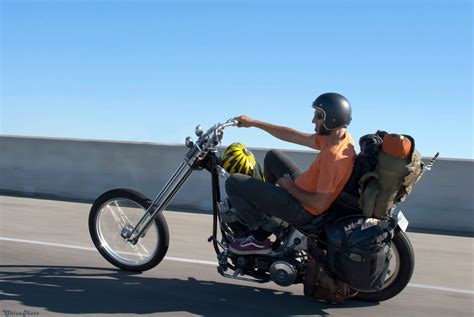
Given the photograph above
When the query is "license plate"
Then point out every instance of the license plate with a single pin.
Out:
(402, 221)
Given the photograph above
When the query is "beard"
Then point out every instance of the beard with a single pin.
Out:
(322, 130)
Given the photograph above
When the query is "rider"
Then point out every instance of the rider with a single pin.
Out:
(288, 193)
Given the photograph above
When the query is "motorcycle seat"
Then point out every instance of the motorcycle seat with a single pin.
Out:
(345, 205)
(317, 223)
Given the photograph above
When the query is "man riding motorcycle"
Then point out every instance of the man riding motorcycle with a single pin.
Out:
(288, 193)
(371, 255)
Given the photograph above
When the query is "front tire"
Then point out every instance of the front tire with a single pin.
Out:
(402, 251)
(113, 211)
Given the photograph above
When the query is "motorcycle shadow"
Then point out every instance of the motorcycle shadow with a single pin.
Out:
(90, 290)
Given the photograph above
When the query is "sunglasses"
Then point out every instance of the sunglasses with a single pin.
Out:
(319, 115)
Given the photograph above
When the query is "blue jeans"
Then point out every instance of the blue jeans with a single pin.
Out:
(252, 198)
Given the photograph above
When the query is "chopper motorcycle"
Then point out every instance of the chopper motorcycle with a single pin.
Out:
(130, 231)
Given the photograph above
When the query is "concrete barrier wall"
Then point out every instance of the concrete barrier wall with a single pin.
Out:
(83, 169)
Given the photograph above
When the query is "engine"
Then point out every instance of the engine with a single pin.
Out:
(281, 267)
(283, 273)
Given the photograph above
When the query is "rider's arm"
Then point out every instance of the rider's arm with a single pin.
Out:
(287, 134)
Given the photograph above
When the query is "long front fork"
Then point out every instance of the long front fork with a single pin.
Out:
(159, 204)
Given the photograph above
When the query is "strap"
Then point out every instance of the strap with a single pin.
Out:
(339, 294)
(318, 276)
(412, 140)
(364, 178)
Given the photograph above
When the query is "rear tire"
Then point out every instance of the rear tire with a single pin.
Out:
(160, 225)
(405, 271)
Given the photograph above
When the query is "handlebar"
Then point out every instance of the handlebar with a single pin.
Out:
(207, 141)
(213, 136)
(217, 132)
(228, 123)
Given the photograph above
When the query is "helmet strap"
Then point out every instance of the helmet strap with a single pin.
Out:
(324, 130)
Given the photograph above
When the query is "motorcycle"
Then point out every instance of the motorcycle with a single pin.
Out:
(130, 231)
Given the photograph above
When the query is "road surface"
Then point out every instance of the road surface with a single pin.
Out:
(49, 267)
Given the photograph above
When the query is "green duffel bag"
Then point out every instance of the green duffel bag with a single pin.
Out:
(390, 183)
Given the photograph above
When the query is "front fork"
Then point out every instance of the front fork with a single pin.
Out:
(159, 204)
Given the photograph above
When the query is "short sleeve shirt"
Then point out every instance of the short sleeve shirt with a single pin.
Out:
(330, 170)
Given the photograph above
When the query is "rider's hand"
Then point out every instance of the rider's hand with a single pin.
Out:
(244, 121)
(285, 182)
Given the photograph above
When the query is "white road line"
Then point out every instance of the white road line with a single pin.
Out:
(442, 288)
(170, 258)
(49, 244)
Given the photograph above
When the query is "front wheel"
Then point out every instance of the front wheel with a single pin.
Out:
(402, 265)
(123, 208)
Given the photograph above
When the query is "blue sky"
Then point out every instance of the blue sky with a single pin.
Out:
(151, 70)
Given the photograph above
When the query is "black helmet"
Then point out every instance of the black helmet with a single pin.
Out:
(336, 109)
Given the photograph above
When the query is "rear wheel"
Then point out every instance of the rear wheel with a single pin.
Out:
(120, 209)
(402, 265)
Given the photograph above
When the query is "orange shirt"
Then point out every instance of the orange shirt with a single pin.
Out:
(330, 170)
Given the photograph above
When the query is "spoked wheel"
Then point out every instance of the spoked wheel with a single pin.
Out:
(402, 265)
(121, 209)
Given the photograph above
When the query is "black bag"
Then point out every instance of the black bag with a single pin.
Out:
(359, 251)
(319, 282)
(370, 145)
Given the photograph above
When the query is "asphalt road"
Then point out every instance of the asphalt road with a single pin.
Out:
(49, 267)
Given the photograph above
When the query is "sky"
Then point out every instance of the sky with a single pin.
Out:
(149, 71)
